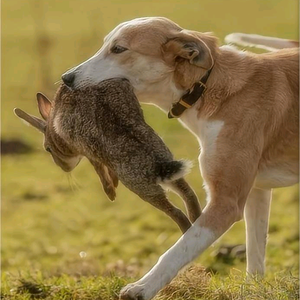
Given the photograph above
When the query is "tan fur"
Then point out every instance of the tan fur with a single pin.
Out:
(247, 123)
(246, 91)
(265, 94)
(257, 91)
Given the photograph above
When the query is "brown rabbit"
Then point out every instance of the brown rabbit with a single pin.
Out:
(105, 123)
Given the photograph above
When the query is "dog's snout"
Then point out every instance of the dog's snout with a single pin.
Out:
(68, 78)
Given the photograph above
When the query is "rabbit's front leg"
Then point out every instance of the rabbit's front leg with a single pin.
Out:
(108, 178)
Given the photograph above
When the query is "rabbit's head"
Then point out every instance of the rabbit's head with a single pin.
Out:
(63, 154)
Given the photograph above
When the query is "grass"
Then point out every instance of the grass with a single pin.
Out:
(61, 237)
(193, 284)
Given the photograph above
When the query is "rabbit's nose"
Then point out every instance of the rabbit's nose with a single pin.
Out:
(68, 78)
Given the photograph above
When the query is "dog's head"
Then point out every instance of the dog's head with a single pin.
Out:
(159, 58)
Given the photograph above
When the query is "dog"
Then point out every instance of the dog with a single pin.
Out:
(241, 106)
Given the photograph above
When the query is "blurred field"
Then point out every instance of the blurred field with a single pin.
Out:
(49, 218)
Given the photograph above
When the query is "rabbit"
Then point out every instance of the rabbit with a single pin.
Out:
(105, 123)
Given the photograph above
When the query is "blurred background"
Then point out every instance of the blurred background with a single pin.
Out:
(53, 222)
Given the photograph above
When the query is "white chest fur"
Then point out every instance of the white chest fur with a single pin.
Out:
(207, 133)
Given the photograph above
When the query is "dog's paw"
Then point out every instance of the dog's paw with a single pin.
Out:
(133, 291)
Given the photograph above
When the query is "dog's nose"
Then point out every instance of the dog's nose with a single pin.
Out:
(68, 78)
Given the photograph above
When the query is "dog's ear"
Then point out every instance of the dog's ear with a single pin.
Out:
(188, 45)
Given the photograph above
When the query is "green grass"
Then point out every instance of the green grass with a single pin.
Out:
(192, 284)
(49, 218)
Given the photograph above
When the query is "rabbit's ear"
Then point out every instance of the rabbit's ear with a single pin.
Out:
(44, 105)
(32, 120)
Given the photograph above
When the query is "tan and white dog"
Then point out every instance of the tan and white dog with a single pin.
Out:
(246, 124)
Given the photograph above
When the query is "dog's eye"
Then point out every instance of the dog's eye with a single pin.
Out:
(118, 49)
(48, 149)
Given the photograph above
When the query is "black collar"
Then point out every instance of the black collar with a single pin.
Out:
(189, 98)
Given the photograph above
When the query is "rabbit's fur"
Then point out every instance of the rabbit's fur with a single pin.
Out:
(105, 123)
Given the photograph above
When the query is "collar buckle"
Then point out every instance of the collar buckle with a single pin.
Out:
(203, 85)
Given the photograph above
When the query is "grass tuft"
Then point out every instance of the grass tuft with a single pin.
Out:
(195, 283)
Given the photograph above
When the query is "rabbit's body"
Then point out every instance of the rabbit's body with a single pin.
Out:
(105, 123)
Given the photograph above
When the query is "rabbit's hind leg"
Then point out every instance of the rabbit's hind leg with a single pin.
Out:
(159, 200)
(183, 189)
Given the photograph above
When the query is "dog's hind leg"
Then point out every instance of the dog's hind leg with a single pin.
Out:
(183, 189)
(257, 221)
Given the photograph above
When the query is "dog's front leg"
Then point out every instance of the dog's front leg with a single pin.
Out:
(257, 211)
(229, 179)
(200, 236)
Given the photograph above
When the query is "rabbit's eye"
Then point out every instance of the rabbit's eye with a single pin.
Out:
(118, 49)
(48, 149)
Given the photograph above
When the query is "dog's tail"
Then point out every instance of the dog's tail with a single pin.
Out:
(172, 170)
(260, 41)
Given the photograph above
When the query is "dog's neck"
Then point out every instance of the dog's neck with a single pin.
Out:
(230, 72)
(232, 69)
(161, 94)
